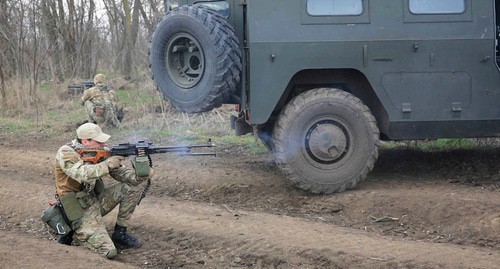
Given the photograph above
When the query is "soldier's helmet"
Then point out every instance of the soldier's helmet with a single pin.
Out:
(99, 78)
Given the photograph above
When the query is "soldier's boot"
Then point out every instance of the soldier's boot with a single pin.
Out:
(66, 239)
(124, 240)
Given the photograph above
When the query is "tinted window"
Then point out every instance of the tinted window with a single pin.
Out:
(437, 6)
(334, 7)
(222, 7)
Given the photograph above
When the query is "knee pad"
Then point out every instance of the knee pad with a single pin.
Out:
(111, 253)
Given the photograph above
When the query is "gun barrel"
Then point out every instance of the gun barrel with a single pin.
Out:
(201, 154)
(148, 148)
(181, 148)
(84, 85)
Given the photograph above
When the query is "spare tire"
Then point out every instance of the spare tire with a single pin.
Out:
(195, 59)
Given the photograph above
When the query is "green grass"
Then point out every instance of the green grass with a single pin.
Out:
(182, 134)
(256, 148)
(133, 97)
(47, 120)
(69, 116)
(16, 125)
(45, 87)
(176, 135)
(247, 141)
(461, 143)
(23, 126)
(444, 144)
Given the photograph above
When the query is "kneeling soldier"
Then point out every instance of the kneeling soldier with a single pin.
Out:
(85, 197)
(101, 104)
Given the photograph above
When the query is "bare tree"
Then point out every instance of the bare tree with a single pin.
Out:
(3, 92)
(55, 40)
(3, 49)
(50, 21)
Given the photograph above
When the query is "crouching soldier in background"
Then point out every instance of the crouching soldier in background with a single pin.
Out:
(85, 197)
(100, 104)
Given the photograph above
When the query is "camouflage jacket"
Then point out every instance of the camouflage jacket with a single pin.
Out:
(99, 94)
(72, 174)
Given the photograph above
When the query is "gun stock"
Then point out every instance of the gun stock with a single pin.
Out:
(90, 155)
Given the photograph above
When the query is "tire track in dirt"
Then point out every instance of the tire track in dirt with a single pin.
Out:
(427, 208)
(257, 233)
(292, 236)
(266, 223)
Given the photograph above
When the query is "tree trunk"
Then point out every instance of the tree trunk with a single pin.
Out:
(127, 61)
(3, 92)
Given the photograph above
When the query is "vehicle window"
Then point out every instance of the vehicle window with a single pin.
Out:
(334, 7)
(222, 7)
(437, 6)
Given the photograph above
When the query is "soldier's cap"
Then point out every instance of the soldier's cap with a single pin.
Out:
(99, 78)
(92, 131)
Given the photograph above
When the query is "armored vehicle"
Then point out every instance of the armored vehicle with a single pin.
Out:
(323, 81)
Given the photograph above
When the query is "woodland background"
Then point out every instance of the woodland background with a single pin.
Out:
(55, 41)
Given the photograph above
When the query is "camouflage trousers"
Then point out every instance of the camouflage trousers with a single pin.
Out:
(102, 114)
(90, 230)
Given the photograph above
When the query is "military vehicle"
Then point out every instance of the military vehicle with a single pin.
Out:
(324, 81)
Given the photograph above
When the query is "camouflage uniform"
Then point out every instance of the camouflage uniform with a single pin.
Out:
(73, 175)
(100, 97)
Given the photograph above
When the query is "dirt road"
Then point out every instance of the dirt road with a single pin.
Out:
(415, 210)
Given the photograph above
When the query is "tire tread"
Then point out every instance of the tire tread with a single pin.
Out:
(290, 112)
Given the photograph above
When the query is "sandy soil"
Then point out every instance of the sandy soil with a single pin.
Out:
(415, 210)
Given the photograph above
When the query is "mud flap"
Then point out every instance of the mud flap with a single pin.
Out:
(240, 126)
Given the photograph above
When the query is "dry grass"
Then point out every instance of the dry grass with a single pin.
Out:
(50, 105)
(147, 113)
(147, 110)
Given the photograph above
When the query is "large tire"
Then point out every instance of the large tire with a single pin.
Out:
(195, 59)
(325, 141)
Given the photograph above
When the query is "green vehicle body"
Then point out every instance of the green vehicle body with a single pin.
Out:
(422, 76)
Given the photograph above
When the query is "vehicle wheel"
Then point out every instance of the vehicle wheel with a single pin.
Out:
(195, 59)
(326, 141)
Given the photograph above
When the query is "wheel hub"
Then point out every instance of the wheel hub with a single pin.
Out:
(185, 60)
(326, 141)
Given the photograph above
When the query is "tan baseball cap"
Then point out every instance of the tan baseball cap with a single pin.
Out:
(92, 131)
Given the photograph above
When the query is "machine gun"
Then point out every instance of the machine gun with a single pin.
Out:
(142, 151)
(75, 89)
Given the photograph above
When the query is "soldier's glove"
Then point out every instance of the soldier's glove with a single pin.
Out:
(114, 162)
